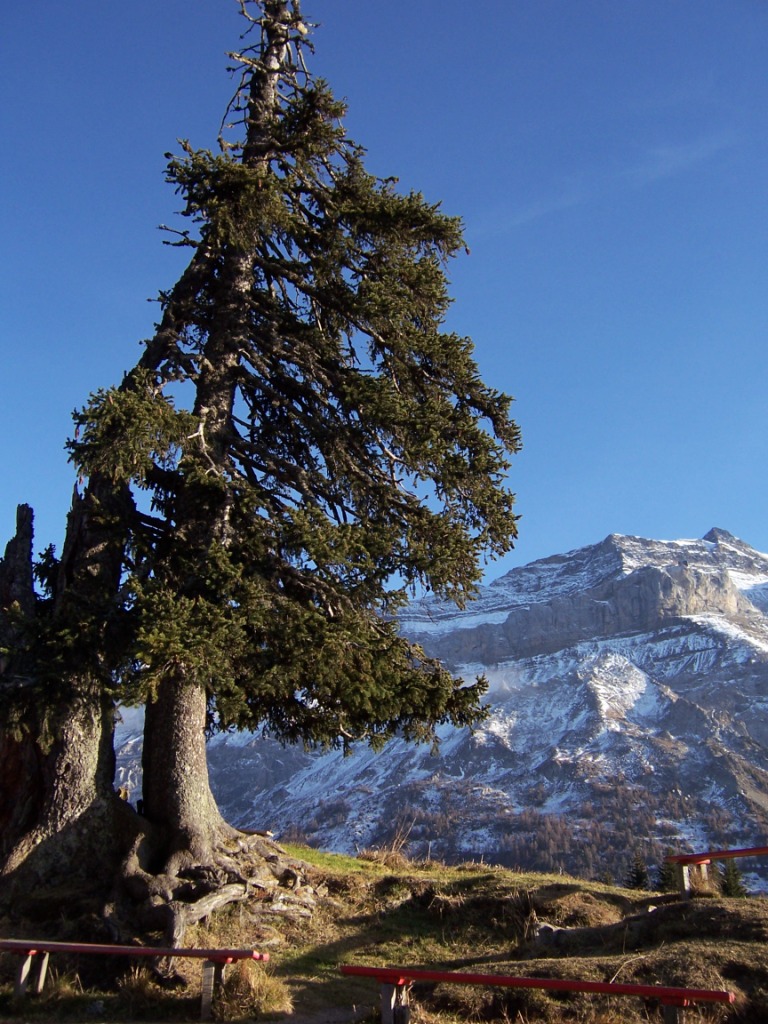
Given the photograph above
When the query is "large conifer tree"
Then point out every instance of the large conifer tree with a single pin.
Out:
(308, 445)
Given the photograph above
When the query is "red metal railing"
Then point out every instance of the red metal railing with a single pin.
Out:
(664, 993)
(708, 855)
(31, 947)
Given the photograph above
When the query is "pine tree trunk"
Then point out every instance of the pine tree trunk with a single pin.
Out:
(206, 863)
(20, 767)
(58, 812)
(63, 828)
(176, 793)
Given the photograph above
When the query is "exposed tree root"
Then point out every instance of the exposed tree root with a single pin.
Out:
(160, 888)
(234, 867)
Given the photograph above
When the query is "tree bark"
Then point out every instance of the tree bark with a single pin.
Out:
(20, 792)
(191, 862)
(67, 824)
(57, 809)
(16, 579)
(177, 798)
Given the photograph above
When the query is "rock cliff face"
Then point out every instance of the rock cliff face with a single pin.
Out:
(629, 712)
(621, 586)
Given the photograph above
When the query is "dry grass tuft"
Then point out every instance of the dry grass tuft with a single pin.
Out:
(393, 859)
(250, 990)
(62, 985)
(138, 990)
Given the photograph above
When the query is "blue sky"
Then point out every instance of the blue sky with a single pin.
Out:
(609, 159)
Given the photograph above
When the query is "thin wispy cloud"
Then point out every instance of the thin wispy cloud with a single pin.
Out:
(570, 196)
(649, 166)
(659, 162)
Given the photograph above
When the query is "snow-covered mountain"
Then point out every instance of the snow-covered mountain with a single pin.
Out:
(629, 712)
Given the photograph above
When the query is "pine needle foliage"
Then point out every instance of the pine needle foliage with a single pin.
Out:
(666, 876)
(731, 883)
(335, 449)
(637, 875)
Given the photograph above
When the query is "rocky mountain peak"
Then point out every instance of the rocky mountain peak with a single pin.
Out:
(716, 536)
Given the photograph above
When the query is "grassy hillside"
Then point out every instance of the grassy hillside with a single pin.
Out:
(389, 911)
